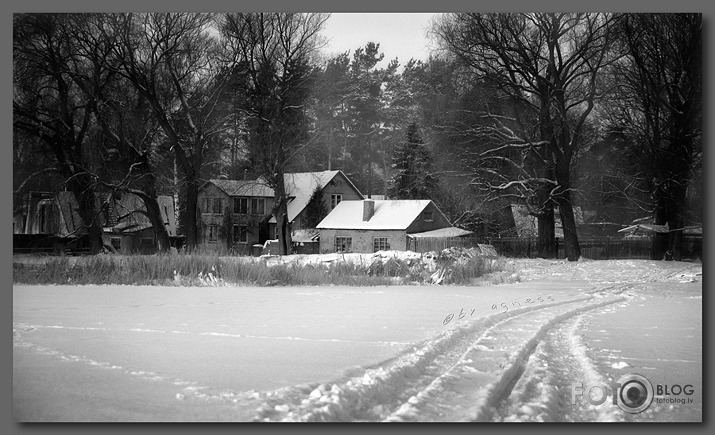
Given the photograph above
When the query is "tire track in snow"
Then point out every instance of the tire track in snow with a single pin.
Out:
(543, 392)
(449, 378)
(475, 386)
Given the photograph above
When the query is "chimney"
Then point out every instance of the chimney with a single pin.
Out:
(368, 209)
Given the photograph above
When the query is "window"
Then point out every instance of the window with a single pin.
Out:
(240, 205)
(343, 244)
(213, 233)
(240, 233)
(218, 205)
(335, 199)
(208, 206)
(380, 244)
(428, 216)
(258, 206)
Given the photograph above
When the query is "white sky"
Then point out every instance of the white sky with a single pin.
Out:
(401, 35)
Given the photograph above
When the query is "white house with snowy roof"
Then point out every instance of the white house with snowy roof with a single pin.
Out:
(235, 214)
(377, 225)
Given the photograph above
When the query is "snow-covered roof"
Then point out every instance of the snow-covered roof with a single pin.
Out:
(299, 186)
(650, 228)
(388, 215)
(442, 232)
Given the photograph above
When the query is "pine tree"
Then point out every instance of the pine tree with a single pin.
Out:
(411, 162)
(316, 210)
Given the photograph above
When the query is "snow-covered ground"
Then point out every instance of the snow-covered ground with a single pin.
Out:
(511, 352)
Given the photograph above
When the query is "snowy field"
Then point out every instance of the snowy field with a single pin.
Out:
(508, 352)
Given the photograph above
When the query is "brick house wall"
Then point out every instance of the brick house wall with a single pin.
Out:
(362, 240)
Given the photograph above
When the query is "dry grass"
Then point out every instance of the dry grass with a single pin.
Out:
(215, 270)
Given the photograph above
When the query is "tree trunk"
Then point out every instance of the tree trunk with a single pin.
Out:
(546, 243)
(87, 210)
(659, 243)
(280, 211)
(81, 185)
(284, 237)
(676, 218)
(568, 223)
(157, 223)
(190, 216)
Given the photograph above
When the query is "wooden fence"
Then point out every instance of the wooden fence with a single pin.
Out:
(604, 248)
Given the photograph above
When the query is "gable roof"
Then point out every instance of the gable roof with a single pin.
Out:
(243, 187)
(388, 215)
(299, 186)
(127, 214)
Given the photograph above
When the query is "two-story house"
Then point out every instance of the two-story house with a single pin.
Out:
(236, 214)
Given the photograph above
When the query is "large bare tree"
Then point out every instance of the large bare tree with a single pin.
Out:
(129, 131)
(659, 107)
(174, 62)
(548, 65)
(272, 75)
(49, 106)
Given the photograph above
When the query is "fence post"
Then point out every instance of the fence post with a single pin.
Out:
(528, 247)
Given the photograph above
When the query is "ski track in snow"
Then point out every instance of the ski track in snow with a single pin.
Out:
(512, 366)
(452, 377)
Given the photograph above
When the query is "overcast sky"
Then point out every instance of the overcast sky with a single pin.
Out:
(400, 35)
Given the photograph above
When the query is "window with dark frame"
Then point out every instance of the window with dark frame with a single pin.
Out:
(240, 205)
(343, 244)
(208, 206)
(428, 217)
(335, 199)
(213, 233)
(218, 205)
(240, 233)
(380, 244)
(258, 206)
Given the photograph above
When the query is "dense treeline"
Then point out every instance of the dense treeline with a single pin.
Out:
(550, 111)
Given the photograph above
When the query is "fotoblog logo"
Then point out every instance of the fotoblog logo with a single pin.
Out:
(633, 393)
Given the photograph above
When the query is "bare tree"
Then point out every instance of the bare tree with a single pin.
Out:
(122, 114)
(549, 66)
(173, 61)
(273, 72)
(49, 106)
(659, 106)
